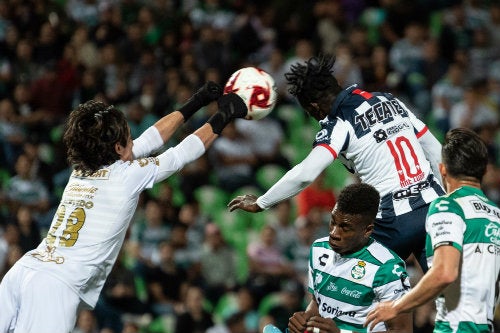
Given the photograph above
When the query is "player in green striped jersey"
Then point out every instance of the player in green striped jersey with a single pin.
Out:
(463, 245)
(349, 272)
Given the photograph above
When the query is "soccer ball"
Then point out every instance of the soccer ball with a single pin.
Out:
(257, 89)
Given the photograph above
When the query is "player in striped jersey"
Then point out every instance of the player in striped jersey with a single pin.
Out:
(44, 290)
(375, 136)
(463, 246)
(350, 272)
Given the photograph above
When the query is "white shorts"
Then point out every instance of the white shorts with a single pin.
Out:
(35, 302)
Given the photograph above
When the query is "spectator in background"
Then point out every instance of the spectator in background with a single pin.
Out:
(138, 118)
(473, 111)
(292, 295)
(191, 216)
(481, 53)
(423, 74)
(448, 91)
(298, 250)
(147, 70)
(86, 323)
(51, 100)
(218, 264)
(246, 304)
(9, 237)
(267, 264)
(119, 297)
(29, 232)
(376, 75)
(23, 189)
(145, 237)
(275, 66)
(194, 318)
(456, 32)
(265, 137)
(281, 218)
(318, 195)
(24, 69)
(347, 71)
(233, 160)
(85, 49)
(12, 134)
(186, 256)
(166, 282)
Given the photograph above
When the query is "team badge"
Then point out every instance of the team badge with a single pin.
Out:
(358, 271)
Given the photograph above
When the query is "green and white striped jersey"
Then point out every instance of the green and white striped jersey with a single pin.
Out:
(347, 287)
(470, 222)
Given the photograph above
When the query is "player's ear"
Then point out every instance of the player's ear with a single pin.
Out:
(368, 230)
(442, 170)
(119, 149)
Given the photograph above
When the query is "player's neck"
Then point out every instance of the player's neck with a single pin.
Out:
(452, 184)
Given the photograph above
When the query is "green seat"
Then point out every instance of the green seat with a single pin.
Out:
(268, 302)
(269, 174)
(292, 116)
(162, 324)
(211, 199)
(224, 307)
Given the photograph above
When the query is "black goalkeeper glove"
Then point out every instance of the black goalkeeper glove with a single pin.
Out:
(209, 92)
(231, 106)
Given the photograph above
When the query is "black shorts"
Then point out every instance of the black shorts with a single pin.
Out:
(404, 234)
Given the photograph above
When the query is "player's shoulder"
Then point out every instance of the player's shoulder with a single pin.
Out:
(447, 202)
(381, 254)
(321, 243)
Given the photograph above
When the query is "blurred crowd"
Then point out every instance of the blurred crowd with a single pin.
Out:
(187, 264)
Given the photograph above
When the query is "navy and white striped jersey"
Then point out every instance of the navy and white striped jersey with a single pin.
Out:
(377, 137)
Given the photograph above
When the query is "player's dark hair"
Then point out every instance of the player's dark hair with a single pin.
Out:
(464, 154)
(90, 135)
(313, 82)
(362, 199)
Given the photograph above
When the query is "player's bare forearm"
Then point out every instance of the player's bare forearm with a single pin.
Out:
(168, 124)
(206, 135)
(247, 202)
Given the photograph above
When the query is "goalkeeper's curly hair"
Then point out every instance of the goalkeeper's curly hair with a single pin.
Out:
(90, 135)
(313, 82)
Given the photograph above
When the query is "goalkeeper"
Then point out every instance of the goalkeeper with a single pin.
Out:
(45, 289)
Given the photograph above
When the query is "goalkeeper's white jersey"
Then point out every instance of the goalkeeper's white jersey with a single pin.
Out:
(470, 222)
(376, 136)
(347, 287)
(89, 227)
(88, 230)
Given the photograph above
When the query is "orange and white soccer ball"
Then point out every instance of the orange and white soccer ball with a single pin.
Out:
(257, 89)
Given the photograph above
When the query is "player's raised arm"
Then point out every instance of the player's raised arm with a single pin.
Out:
(294, 181)
(155, 136)
(231, 106)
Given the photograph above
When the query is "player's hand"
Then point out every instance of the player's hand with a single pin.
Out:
(232, 106)
(383, 312)
(297, 323)
(247, 202)
(318, 324)
(209, 92)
